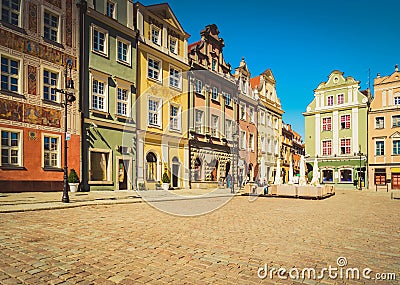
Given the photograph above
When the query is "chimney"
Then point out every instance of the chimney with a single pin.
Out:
(396, 67)
(378, 75)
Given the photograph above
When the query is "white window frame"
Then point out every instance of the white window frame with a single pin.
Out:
(103, 52)
(199, 86)
(59, 27)
(327, 100)
(214, 94)
(328, 149)
(376, 147)
(19, 12)
(59, 146)
(326, 124)
(199, 124)
(128, 51)
(173, 48)
(269, 145)
(397, 119)
(251, 114)
(58, 83)
(215, 126)
(349, 146)
(242, 112)
(154, 69)
(20, 146)
(158, 112)
(228, 99)
(262, 143)
(262, 117)
(108, 170)
(177, 118)
(251, 141)
(94, 75)
(173, 78)
(228, 129)
(376, 122)
(158, 41)
(18, 76)
(352, 175)
(127, 101)
(114, 13)
(338, 96)
(349, 121)
(396, 99)
(398, 151)
(243, 141)
(276, 123)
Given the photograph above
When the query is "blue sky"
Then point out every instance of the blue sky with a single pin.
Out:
(301, 41)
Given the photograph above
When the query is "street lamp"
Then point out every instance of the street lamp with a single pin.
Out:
(68, 99)
(359, 171)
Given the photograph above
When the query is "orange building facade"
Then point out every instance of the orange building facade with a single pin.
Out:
(34, 49)
(384, 133)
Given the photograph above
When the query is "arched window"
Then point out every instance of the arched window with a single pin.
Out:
(327, 175)
(151, 167)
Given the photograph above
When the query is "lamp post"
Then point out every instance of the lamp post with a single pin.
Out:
(359, 171)
(68, 98)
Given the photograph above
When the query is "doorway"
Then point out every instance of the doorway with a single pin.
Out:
(123, 174)
(175, 172)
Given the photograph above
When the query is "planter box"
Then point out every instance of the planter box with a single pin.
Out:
(287, 190)
(309, 191)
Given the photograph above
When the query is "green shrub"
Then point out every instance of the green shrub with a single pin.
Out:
(165, 178)
(73, 176)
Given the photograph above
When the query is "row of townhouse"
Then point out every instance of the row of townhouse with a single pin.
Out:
(148, 104)
(354, 135)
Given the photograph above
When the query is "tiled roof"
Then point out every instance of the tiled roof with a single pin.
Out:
(255, 81)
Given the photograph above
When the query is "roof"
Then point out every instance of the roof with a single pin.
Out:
(255, 81)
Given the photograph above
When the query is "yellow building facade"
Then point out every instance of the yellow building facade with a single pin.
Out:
(162, 104)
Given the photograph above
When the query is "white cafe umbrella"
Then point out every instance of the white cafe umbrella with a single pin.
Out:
(315, 178)
(277, 180)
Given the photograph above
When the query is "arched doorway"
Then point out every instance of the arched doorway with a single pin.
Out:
(151, 167)
(227, 168)
(250, 172)
(214, 172)
(175, 172)
(197, 170)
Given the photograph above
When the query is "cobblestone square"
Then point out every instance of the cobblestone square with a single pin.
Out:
(138, 244)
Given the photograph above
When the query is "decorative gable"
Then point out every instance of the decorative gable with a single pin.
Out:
(395, 135)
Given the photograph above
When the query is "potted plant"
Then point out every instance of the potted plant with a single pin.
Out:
(165, 180)
(73, 181)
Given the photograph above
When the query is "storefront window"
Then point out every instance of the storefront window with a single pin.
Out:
(327, 175)
(346, 175)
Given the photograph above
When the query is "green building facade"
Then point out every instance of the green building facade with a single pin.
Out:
(108, 68)
(336, 132)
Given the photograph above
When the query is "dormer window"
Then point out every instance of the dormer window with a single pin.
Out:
(213, 65)
(340, 98)
(244, 85)
(173, 45)
(330, 101)
(155, 35)
(110, 9)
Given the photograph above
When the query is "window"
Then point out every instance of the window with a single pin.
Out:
(174, 77)
(173, 45)
(151, 167)
(49, 83)
(154, 69)
(214, 125)
(98, 95)
(174, 118)
(242, 139)
(11, 148)
(214, 64)
(155, 35)
(123, 51)
(396, 147)
(327, 175)
(379, 122)
(262, 142)
(276, 150)
(269, 146)
(123, 102)
(10, 11)
(345, 146)
(346, 175)
(251, 142)
(9, 74)
(199, 86)
(242, 112)
(340, 98)
(251, 114)
(154, 112)
(50, 26)
(228, 129)
(326, 147)
(110, 9)
(269, 120)
(51, 151)
(243, 85)
(396, 121)
(276, 123)
(214, 93)
(330, 100)
(199, 121)
(99, 166)
(262, 118)
(379, 148)
(228, 99)
(99, 41)
(380, 176)
(345, 122)
(397, 100)
(327, 124)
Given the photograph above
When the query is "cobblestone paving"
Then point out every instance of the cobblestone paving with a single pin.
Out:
(137, 244)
